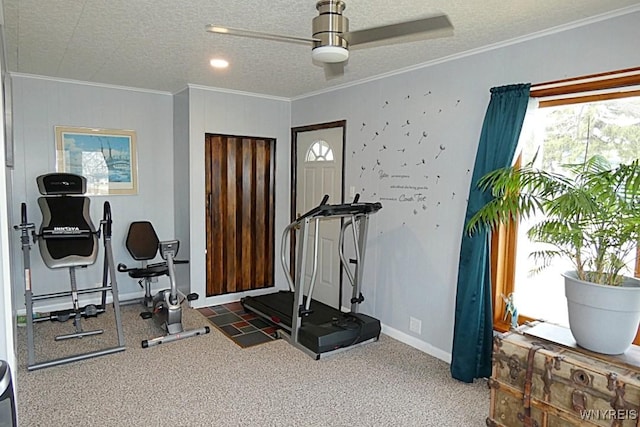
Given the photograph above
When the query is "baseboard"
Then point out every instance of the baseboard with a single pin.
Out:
(387, 330)
(416, 343)
(228, 298)
(224, 299)
(65, 303)
(411, 341)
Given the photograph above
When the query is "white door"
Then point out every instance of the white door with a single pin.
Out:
(319, 172)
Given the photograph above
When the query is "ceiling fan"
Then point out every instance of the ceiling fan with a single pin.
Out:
(331, 36)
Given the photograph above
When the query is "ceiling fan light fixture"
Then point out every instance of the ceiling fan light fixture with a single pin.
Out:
(331, 37)
(329, 54)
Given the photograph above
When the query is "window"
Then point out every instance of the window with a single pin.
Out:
(577, 118)
(320, 151)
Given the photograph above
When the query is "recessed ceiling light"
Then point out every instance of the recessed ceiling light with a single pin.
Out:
(219, 63)
(216, 29)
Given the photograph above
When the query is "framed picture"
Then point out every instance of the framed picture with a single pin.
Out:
(106, 157)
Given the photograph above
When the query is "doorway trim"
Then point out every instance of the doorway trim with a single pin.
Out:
(294, 180)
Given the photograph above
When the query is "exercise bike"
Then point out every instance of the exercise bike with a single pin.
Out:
(166, 305)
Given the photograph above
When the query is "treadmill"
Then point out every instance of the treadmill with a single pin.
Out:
(312, 326)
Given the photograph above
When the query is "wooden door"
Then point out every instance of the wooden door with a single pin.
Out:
(240, 213)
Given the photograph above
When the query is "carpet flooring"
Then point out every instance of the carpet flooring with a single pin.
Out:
(209, 380)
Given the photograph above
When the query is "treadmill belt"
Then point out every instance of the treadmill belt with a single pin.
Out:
(279, 305)
(324, 330)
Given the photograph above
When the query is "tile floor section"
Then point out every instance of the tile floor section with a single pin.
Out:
(243, 328)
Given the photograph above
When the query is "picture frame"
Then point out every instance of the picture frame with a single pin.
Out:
(105, 157)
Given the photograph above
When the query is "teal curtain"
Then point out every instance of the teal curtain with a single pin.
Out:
(473, 328)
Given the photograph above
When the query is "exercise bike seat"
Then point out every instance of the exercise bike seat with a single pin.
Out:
(154, 270)
(142, 243)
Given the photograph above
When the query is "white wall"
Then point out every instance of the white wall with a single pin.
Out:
(413, 251)
(42, 103)
(239, 114)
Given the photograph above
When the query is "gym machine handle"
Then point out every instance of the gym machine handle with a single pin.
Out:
(65, 233)
(106, 219)
(285, 234)
(315, 211)
(23, 219)
(25, 226)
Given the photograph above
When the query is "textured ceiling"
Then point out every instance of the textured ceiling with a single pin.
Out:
(162, 44)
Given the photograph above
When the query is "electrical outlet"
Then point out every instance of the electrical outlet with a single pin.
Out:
(415, 325)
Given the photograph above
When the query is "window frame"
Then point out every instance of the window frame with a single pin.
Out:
(591, 88)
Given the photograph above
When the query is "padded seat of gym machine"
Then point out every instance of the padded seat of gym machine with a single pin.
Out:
(152, 270)
(149, 271)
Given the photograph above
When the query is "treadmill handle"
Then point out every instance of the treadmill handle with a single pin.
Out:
(314, 271)
(343, 258)
(283, 255)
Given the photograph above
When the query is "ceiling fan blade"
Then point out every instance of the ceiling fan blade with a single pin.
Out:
(219, 29)
(407, 28)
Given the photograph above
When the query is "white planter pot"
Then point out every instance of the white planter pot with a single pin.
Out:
(603, 318)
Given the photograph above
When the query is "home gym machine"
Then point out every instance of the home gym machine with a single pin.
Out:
(310, 325)
(166, 306)
(68, 239)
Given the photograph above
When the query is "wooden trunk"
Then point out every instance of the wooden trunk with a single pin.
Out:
(541, 378)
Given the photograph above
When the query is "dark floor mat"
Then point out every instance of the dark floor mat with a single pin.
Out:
(243, 328)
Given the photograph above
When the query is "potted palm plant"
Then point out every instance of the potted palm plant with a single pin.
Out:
(591, 217)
